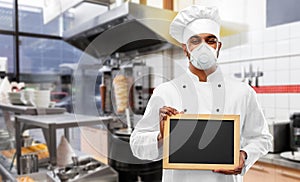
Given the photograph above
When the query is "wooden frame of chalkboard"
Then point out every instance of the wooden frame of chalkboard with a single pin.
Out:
(183, 134)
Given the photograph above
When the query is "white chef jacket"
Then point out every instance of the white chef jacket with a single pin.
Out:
(186, 93)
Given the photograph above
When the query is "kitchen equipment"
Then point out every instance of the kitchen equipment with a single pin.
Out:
(27, 96)
(27, 141)
(138, 76)
(105, 89)
(28, 163)
(120, 85)
(141, 88)
(294, 154)
(84, 169)
(295, 131)
(15, 98)
(6, 141)
(291, 155)
(128, 166)
(41, 98)
(127, 86)
(150, 34)
(281, 134)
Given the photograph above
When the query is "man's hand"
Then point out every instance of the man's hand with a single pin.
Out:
(237, 170)
(164, 112)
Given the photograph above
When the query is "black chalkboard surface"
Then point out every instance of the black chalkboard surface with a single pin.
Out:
(201, 142)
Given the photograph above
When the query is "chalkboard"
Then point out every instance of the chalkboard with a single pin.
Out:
(193, 141)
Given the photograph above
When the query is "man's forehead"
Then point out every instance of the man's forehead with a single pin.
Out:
(203, 35)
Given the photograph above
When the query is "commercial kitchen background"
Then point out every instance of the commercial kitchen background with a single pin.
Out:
(274, 50)
(36, 52)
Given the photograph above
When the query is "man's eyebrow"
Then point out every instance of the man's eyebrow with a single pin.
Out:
(195, 36)
(211, 36)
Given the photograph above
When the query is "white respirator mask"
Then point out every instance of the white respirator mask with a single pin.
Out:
(203, 57)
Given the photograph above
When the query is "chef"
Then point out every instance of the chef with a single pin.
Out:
(203, 89)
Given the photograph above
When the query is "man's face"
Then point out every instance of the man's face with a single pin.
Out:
(196, 40)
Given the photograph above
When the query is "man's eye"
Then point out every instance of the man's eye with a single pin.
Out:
(211, 41)
(195, 41)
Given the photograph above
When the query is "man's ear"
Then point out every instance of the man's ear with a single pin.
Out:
(185, 50)
(219, 48)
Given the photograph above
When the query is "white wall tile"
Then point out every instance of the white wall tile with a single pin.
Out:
(235, 68)
(225, 42)
(257, 50)
(235, 53)
(295, 102)
(269, 65)
(283, 47)
(283, 32)
(223, 55)
(295, 62)
(269, 49)
(282, 114)
(268, 101)
(269, 35)
(258, 65)
(282, 77)
(257, 37)
(245, 52)
(269, 112)
(294, 45)
(295, 30)
(235, 40)
(269, 78)
(245, 38)
(283, 63)
(282, 101)
(295, 77)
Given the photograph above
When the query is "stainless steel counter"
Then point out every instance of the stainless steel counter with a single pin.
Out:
(49, 124)
(30, 110)
(277, 160)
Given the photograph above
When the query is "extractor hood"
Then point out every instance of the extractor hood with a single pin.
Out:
(127, 28)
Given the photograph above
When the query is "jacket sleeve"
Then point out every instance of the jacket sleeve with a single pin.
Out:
(256, 139)
(143, 140)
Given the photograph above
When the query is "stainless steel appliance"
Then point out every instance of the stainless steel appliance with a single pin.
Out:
(295, 131)
(281, 135)
(105, 89)
(133, 27)
(84, 169)
(127, 165)
(29, 163)
(294, 154)
(139, 88)
(138, 78)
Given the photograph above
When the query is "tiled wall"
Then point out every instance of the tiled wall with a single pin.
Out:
(276, 52)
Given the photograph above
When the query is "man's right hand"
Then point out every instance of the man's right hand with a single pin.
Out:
(164, 112)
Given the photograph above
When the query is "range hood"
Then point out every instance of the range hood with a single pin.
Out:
(127, 28)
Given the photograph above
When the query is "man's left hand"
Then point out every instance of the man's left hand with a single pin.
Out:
(237, 170)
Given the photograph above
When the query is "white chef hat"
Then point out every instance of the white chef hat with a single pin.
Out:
(194, 20)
